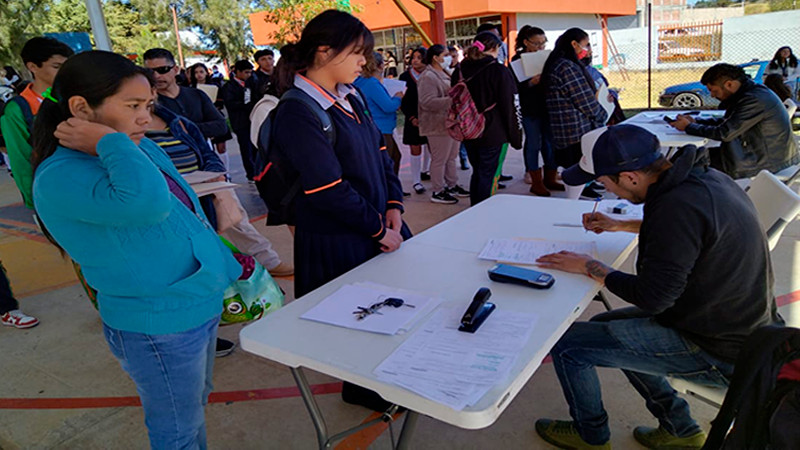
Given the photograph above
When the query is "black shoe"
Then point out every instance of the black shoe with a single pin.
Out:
(419, 188)
(425, 176)
(590, 194)
(506, 178)
(224, 347)
(501, 186)
(457, 191)
(406, 194)
(357, 395)
(443, 197)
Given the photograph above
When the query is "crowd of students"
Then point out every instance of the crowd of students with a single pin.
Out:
(101, 167)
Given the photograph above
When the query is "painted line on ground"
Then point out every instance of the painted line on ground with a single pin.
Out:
(116, 402)
(13, 228)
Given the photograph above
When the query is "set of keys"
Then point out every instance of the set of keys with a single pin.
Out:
(394, 302)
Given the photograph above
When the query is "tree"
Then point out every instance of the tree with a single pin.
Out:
(14, 32)
(224, 26)
(291, 16)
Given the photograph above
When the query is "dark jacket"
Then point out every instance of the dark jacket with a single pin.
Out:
(195, 105)
(756, 133)
(531, 97)
(703, 266)
(492, 85)
(571, 103)
(259, 83)
(233, 94)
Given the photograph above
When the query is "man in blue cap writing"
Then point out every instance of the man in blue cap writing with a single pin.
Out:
(703, 283)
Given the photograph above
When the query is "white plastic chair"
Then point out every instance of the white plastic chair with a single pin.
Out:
(777, 206)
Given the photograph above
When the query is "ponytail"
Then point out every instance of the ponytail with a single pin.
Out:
(484, 41)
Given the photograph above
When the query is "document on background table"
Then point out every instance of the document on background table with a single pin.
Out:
(394, 86)
(456, 368)
(533, 62)
(337, 309)
(527, 251)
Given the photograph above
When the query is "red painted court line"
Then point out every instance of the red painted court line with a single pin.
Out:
(16, 231)
(116, 402)
(256, 219)
(786, 299)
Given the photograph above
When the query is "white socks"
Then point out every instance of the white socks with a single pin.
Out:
(574, 192)
(426, 158)
(225, 160)
(416, 163)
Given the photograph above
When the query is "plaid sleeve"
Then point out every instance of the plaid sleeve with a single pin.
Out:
(582, 94)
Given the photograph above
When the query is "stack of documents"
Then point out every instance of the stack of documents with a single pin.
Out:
(530, 64)
(201, 183)
(527, 251)
(338, 308)
(456, 368)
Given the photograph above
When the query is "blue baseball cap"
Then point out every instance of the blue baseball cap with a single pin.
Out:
(611, 150)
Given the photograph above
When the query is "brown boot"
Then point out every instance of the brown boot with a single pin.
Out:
(537, 188)
(550, 180)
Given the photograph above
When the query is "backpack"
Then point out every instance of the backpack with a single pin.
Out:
(762, 408)
(464, 121)
(277, 182)
(27, 114)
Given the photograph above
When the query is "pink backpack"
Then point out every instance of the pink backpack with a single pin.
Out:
(464, 121)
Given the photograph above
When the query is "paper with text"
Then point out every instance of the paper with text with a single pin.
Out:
(453, 367)
(527, 251)
(394, 86)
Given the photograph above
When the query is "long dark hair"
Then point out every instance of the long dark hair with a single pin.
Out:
(525, 33)
(94, 75)
(490, 42)
(564, 50)
(192, 79)
(776, 84)
(335, 29)
(792, 60)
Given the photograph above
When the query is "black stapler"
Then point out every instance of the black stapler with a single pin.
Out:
(478, 311)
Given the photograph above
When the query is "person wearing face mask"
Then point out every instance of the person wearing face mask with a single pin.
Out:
(434, 104)
(534, 119)
(571, 100)
(410, 108)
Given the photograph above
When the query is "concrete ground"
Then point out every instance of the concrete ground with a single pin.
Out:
(60, 387)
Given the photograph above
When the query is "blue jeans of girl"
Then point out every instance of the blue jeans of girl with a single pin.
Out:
(172, 373)
(646, 352)
(537, 140)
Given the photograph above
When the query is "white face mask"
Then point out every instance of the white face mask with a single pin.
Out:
(447, 61)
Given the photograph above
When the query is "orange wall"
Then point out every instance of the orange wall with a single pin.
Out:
(382, 14)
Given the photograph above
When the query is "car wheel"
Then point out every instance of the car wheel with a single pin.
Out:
(687, 100)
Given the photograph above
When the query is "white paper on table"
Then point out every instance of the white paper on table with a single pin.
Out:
(527, 251)
(210, 90)
(456, 368)
(394, 86)
(337, 309)
(201, 176)
(602, 97)
(533, 62)
(421, 311)
(519, 70)
(203, 189)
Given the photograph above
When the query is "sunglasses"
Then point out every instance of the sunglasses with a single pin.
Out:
(163, 69)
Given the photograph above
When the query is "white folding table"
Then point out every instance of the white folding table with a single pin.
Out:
(443, 262)
(669, 137)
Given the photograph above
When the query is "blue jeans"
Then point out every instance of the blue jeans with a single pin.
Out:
(537, 139)
(172, 373)
(646, 352)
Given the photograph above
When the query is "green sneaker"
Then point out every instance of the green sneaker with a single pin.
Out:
(563, 434)
(661, 439)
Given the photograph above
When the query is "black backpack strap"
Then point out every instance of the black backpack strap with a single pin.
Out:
(325, 123)
(27, 113)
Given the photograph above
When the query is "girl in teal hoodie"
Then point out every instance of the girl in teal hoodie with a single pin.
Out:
(115, 203)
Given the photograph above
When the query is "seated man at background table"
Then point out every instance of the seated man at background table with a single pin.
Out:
(756, 132)
(703, 283)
